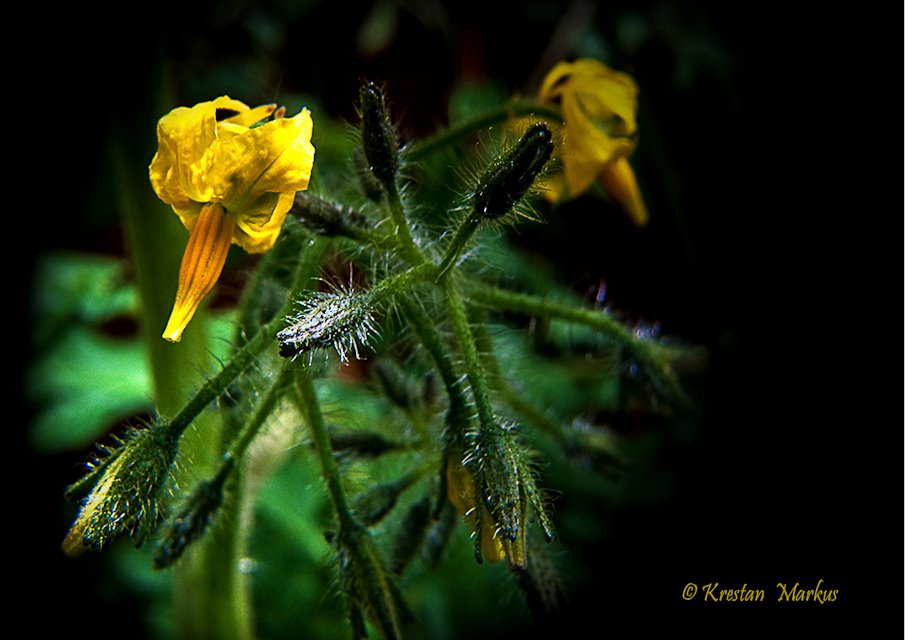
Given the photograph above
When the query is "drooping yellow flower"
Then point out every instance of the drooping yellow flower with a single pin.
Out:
(598, 108)
(230, 173)
(460, 489)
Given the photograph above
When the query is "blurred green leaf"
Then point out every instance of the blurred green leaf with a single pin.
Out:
(85, 383)
(470, 99)
(74, 288)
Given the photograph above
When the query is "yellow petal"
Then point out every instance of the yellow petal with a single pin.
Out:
(184, 136)
(258, 232)
(252, 172)
(586, 148)
(604, 94)
(555, 80)
(598, 106)
(491, 546)
(460, 487)
(276, 157)
(620, 183)
(202, 262)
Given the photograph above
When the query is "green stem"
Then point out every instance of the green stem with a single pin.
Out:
(455, 248)
(647, 352)
(513, 398)
(455, 133)
(222, 587)
(310, 408)
(455, 308)
(403, 232)
(402, 281)
(433, 343)
(251, 427)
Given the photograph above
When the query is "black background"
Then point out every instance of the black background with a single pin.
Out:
(792, 181)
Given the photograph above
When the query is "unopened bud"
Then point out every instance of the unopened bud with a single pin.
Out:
(507, 179)
(494, 487)
(378, 135)
(324, 217)
(126, 498)
(371, 506)
(192, 520)
(340, 319)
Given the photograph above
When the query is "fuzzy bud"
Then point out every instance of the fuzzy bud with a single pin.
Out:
(494, 487)
(508, 178)
(324, 217)
(340, 319)
(378, 135)
(374, 504)
(192, 520)
(126, 498)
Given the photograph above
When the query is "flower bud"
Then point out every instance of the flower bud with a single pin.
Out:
(322, 216)
(508, 178)
(378, 135)
(192, 520)
(494, 487)
(126, 498)
(361, 443)
(411, 535)
(339, 319)
(371, 506)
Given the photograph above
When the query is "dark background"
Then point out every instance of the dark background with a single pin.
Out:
(769, 245)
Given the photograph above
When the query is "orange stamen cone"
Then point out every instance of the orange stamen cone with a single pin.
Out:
(619, 181)
(202, 263)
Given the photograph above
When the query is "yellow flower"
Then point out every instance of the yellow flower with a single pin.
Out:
(598, 109)
(231, 179)
(460, 489)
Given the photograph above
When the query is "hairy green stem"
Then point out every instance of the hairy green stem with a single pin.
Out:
(455, 133)
(457, 245)
(251, 427)
(212, 596)
(308, 404)
(455, 308)
(647, 352)
(403, 231)
(516, 401)
(433, 343)
(400, 282)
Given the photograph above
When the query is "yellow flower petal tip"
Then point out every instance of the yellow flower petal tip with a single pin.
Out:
(202, 263)
(249, 162)
(460, 489)
(619, 181)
